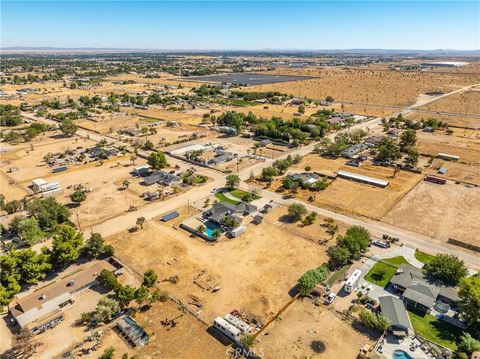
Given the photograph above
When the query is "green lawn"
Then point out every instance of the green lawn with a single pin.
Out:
(423, 257)
(222, 198)
(239, 194)
(435, 330)
(383, 271)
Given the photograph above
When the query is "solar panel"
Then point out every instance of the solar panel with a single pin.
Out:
(170, 216)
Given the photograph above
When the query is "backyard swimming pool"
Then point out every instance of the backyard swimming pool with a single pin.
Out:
(209, 231)
(400, 354)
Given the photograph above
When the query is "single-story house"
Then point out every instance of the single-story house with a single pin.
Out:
(353, 150)
(161, 177)
(33, 308)
(304, 177)
(221, 156)
(419, 292)
(373, 141)
(219, 211)
(394, 309)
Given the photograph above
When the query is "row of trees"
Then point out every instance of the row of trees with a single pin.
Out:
(26, 267)
(278, 167)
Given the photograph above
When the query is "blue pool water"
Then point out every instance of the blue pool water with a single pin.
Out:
(209, 230)
(400, 354)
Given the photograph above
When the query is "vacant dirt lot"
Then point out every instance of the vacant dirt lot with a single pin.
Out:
(369, 85)
(456, 171)
(441, 211)
(247, 268)
(304, 323)
(432, 143)
(353, 197)
(172, 342)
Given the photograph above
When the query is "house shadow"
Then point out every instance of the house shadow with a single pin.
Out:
(371, 334)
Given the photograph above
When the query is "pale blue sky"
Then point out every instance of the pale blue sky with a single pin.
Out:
(229, 25)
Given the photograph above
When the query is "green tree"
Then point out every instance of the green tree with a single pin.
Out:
(125, 295)
(140, 221)
(412, 156)
(48, 212)
(469, 303)
(109, 280)
(339, 256)
(287, 182)
(311, 278)
(157, 160)
(106, 309)
(388, 150)
(232, 181)
(141, 295)
(446, 267)
(28, 230)
(150, 278)
(94, 246)
(296, 211)
(468, 344)
(68, 128)
(148, 145)
(78, 196)
(408, 138)
(269, 172)
(66, 245)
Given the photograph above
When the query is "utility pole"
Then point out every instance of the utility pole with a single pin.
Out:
(78, 222)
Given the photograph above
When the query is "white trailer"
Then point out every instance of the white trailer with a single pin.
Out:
(352, 280)
(237, 322)
(227, 329)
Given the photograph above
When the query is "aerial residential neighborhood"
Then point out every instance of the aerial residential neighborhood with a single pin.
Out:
(231, 179)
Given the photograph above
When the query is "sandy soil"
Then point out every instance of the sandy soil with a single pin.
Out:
(432, 143)
(441, 211)
(467, 103)
(353, 197)
(247, 268)
(302, 323)
(171, 343)
(456, 171)
(368, 85)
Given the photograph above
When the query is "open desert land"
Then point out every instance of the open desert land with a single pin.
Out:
(440, 211)
(465, 103)
(303, 327)
(350, 197)
(247, 269)
(363, 85)
(438, 142)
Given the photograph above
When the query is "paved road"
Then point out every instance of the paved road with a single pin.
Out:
(415, 240)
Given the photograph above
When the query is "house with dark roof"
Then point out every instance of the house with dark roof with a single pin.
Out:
(221, 156)
(353, 150)
(394, 309)
(161, 177)
(219, 211)
(422, 293)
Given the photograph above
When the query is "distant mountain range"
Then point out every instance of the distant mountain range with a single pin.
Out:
(405, 52)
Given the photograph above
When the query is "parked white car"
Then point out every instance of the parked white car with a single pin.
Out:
(330, 298)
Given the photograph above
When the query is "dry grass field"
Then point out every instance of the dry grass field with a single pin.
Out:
(438, 142)
(255, 272)
(456, 171)
(303, 323)
(466, 103)
(440, 211)
(171, 343)
(352, 197)
(369, 85)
